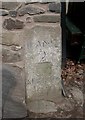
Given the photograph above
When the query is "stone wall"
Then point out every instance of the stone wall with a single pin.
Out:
(23, 23)
(30, 1)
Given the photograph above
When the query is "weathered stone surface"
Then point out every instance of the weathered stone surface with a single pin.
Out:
(43, 66)
(54, 7)
(16, 48)
(10, 5)
(48, 18)
(12, 38)
(51, 107)
(46, 1)
(19, 64)
(77, 94)
(13, 13)
(44, 106)
(13, 92)
(11, 24)
(19, 24)
(41, 1)
(3, 12)
(29, 20)
(7, 38)
(11, 56)
(31, 10)
(30, 1)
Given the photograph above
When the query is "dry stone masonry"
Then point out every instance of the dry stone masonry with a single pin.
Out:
(31, 10)
(31, 54)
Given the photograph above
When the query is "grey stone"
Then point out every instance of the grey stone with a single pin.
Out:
(12, 24)
(12, 38)
(3, 12)
(31, 1)
(9, 24)
(13, 92)
(41, 1)
(55, 7)
(19, 24)
(44, 106)
(44, 1)
(47, 18)
(16, 48)
(43, 68)
(10, 56)
(7, 38)
(77, 94)
(13, 13)
(31, 10)
(10, 5)
(29, 19)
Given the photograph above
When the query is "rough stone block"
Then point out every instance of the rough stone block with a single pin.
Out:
(9, 55)
(11, 24)
(13, 92)
(47, 18)
(13, 13)
(55, 7)
(31, 10)
(43, 67)
(12, 38)
(3, 12)
(10, 5)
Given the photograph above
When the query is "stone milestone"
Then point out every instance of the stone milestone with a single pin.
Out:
(43, 68)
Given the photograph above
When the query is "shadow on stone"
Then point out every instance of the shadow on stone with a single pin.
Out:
(8, 84)
(12, 106)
